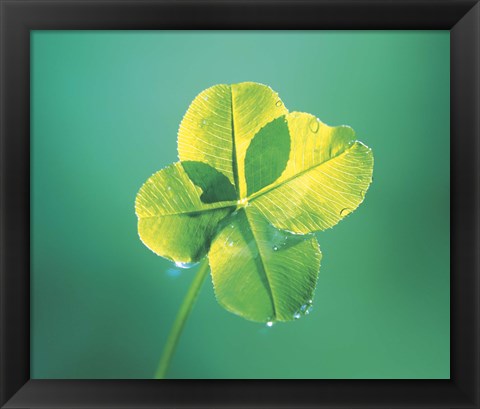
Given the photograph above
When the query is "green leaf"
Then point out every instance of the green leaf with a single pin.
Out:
(251, 176)
(326, 178)
(215, 185)
(267, 155)
(220, 123)
(261, 273)
(173, 221)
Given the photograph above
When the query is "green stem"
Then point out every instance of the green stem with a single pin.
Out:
(180, 320)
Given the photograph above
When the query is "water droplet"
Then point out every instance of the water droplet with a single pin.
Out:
(232, 226)
(230, 244)
(314, 125)
(345, 212)
(269, 324)
(180, 264)
(279, 103)
(362, 194)
(306, 308)
(205, 98)
(169, 188)
(278, 239)
(203, 123)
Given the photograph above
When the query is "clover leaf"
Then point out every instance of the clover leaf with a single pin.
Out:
(252, 183)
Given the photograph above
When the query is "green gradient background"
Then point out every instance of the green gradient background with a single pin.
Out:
(105, 111)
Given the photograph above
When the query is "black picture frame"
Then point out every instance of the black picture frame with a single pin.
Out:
(18, 17)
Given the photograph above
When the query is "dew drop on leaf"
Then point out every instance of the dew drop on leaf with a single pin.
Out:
(345, 212)
(180, 264)
(306, 308)
(269, 324)
(314, 125)
(279, 103)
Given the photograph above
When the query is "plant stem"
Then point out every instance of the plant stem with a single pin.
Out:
(180, 320)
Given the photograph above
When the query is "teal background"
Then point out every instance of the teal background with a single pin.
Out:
(105, 111)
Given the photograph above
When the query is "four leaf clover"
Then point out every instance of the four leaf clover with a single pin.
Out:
(253, 182)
